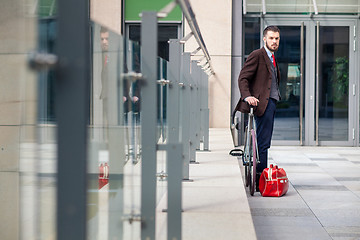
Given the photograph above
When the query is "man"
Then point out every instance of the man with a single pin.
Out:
(104, 38)
(259, 86)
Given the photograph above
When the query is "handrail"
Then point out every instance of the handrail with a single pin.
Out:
(190, 17)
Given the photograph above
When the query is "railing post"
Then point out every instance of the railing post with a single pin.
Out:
(186, 108)
(193, 124)
(198, 105)
(72, 112)
(149, 29)
(206, 112)
(174, 217)
(173, 90)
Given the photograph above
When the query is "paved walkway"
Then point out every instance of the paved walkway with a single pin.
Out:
(323, 201)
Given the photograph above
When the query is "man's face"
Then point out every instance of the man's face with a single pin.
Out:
(271, 40)
(104, 37)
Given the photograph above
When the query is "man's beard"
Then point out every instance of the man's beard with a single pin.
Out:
(270, 48)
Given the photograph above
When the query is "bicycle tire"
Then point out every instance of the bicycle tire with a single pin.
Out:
(246, 164)
(253, 162)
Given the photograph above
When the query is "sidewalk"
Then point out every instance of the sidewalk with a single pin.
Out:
(323, 201)
(215, 203)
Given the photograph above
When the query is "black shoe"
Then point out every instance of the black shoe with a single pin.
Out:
(257, 181)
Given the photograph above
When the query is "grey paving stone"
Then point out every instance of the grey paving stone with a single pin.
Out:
(299, 164)
(294, 228)
(281, 212)
(326, 199)
(312, 178)
(346, 179)
(344, 232)
(321, 187)
(340, 217)
(328, 159)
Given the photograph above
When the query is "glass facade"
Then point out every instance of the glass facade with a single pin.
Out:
(318, 77)
(302, 6)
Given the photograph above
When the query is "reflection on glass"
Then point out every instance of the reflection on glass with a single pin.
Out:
(287, 122)
(252, 34)
(333, 83)
(110, 144)
(28, 152)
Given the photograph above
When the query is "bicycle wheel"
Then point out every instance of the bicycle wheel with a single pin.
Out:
(245, 159)
(253, 162)
(250, 166)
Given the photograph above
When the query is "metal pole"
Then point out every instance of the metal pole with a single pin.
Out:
(149, 43)
(198, 106)
(193, 112)
(206, 112)
(301, 115)
(317, 83)
(72, 104)
(186, 93)
(174, 218)
(173, 94)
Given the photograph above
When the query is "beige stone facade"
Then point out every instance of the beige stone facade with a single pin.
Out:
(215, 24)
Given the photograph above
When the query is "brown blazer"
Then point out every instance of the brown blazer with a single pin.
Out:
(255, 80)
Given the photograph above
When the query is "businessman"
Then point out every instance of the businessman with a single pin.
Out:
(259, 86)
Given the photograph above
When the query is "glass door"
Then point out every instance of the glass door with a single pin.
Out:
(334, 80)
(317, 66)
(289, 123)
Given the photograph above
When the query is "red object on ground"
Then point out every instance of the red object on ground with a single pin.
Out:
(103, 175)
(273, 182)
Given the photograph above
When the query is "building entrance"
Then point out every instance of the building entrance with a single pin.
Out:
(317, 59)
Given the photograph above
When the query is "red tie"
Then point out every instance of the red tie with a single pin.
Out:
(273, 58)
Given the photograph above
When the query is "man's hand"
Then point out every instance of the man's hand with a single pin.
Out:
(253, 101)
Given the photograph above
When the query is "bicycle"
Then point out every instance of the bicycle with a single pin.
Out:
(250, 156)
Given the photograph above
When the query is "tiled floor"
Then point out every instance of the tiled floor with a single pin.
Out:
(323, 201)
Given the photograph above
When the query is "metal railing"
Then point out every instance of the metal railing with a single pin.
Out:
(187, 117)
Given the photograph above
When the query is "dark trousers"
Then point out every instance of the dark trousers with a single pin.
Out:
(264, 130)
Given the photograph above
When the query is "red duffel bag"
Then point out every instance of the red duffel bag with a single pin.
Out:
(103, 175)
(273, 182)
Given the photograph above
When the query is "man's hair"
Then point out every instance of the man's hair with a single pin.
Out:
(271, 28)
(103, 30)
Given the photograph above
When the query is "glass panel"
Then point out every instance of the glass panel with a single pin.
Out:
(18, 120)
(287, 122)
(45, 156)
(333, 83)
(253, 6)
(303, 6)
(113, 175)
(113, 172)
(289, 6)
(162, 128)
(165, 33)
(252, 34)
(334, 6)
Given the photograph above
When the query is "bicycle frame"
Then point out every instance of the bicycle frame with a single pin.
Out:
(251, 125)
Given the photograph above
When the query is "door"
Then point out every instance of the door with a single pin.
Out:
(317, 80)
(289, 118)
(334, 81)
